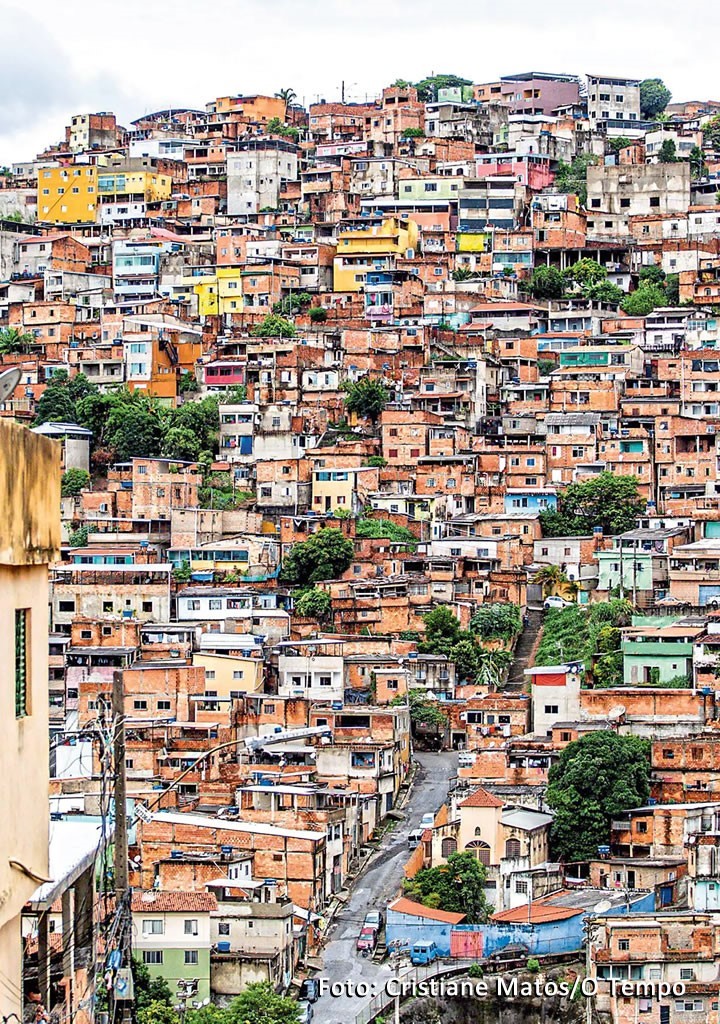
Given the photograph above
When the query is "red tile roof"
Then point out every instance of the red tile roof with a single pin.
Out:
(539, 913)
(481, 798)
(406, 906)
(159, 902)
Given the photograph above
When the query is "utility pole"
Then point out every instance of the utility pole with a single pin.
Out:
(120, 789)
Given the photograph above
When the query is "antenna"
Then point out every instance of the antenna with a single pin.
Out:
(9, 380)
(602, 907)
(617, 712)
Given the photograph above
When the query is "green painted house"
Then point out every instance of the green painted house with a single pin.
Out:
(171, 936)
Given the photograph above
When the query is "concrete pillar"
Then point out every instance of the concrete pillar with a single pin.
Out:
(68, 947)
(44, 960)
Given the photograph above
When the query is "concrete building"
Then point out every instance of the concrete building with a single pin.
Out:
(256, 173)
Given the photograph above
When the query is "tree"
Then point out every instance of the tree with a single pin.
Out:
(288, 96)
(55, 404)
(672, 289)
(547, 283)
(274, 326)
(73, 482)
(293, 304)
(586, 272)
(313, 604)
(413, 133)
(497, 621)
(442, 631)
(324, 556)
(491, 663)
(424, 710)
(698, 167)
(457, 887)
(428, 88)
(651, 274)
(551, 577)
(181, 443)
(14, 341)
(654, 97)
(463, 274)
(318, 314)
(376, 460)
(367, 397)
(134, 431)
(235, 395)
(149, 990)
(199, 418)
(605, 291)
(644, 300)
(157, 1012)
(572, 178)
(260, 1004)
(377, 528)
(615, 145)
(608, 501)
(668, 152)
(595, 778)
(79, 538)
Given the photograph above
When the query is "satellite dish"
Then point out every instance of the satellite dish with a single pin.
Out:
(602, 907)
(9, 380)
(617, 712)
(148, 897)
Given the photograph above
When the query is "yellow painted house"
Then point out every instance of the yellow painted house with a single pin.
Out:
(473, 241)
(372, 248)
(115, 181)
(218, 293)
(67, 195)
(226, 673)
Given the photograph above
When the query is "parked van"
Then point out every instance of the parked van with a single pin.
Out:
(415, 838)
(423, 953)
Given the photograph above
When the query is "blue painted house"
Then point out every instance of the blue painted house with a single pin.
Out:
(530, 499)
(410, 922)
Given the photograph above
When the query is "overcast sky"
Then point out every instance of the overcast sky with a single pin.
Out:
(143, 55)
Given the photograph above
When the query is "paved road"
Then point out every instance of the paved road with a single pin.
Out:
(377, 886)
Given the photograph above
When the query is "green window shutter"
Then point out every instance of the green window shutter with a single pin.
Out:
(21, 662)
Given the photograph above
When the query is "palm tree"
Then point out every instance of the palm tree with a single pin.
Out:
(12, 340)
(551, 577)
(288, 96)
(492, 662)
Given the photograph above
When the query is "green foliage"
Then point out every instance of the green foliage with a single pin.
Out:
(14, 341)
(644, 300)
(293, 304)
(181, 443)
(668, 152)
(428, 88)
(235, 395)
(377, 528)
(456, 887)
(615, 145)
(313, 604)
(323, 556)
(463, 274)
(595, 778)
(288, 96)
(475, 971)
(61, 399)
(423, 709)
(367, 397)
(218, 492)
(546, 366)
(442, 630)
(586, 272)
(149, 990)
(158, 1012)
(277, 127)
(672, 289)
(533, 965)
(572, 178)
(698, 167)
(589, 635)
(318, 314)
(73, 482)
(497, 621)
(413, 133)
(188, 384)
(651, 274)
(605, 291)
(274, 326)
(547, 283)
(377, 461)
(258, 1004)
(607, 500)
(654, 97)
(79, 538)
(182, 573)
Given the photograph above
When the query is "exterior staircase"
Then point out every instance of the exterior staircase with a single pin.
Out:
(524, 649)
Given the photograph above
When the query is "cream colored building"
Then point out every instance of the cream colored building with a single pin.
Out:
(228, 673)
(29, 541)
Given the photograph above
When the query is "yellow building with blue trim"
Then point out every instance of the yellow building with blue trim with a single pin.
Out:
(363, 249)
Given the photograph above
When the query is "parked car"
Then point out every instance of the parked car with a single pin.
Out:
(556, 602)
(366, 941)
(310, 990)
(423, 953)
(374, 919)
(305, 1014)
(415, 838)
(427, 820)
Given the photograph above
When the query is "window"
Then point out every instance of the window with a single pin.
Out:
(513, 849)
(163, 705)
(152, 956)
(66, 606)
(191, 956)
(551, 709)
(150, 927)
(223, 928)
(642, 826)
(22, 646)
(238, 674)
(209, 673)
(654, 202)
(449, 846)
(147, 606)
(140, 705)
(191, 928)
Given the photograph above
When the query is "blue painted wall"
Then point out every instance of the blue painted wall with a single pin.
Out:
(411, 929)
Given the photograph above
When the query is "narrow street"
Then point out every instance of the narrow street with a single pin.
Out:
(375, 888)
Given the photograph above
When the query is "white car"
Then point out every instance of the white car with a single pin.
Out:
(556, 602)
(427, 820)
